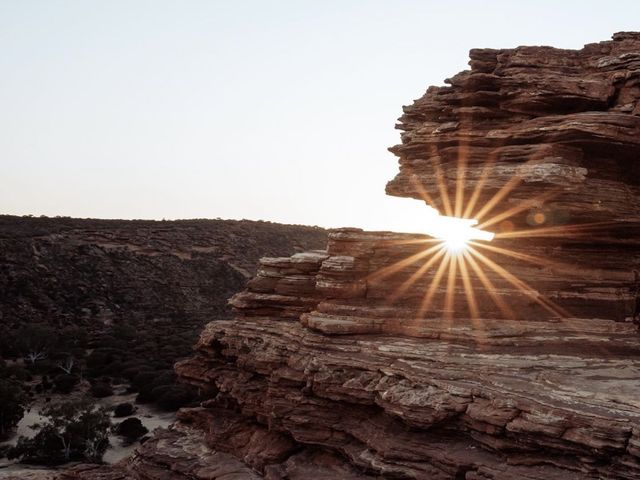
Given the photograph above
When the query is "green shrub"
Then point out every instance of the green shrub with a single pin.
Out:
(101, 390)
(131, 429)
(72, 431)
(13, 402)
(64, 382)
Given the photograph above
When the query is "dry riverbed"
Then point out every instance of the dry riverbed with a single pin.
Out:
(150, 416)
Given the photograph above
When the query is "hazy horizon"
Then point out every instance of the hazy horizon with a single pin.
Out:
(277, 111)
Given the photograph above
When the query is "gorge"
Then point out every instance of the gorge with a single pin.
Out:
(387, 355)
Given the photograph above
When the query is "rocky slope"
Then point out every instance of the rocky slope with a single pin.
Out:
(75, 271)
(98, 300)
(338, 369)
(388, 356)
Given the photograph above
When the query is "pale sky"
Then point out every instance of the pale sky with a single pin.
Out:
(273, 110)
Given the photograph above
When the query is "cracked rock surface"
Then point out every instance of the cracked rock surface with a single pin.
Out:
(331, 370)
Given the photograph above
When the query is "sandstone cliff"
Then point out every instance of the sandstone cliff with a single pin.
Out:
(388, 356)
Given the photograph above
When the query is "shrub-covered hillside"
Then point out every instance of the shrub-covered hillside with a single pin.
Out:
(72, 271)
(90, 304)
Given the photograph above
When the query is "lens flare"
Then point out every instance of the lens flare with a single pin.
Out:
(453, 260)
(456, 232)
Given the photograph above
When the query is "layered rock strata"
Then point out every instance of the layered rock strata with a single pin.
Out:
(385, 357)
(407, 397)
(518, 361)
(566, 123)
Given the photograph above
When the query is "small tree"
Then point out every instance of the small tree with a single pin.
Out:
(75, 430)
(8, 342)
(13, 402)
(67, 365)
(65, 382)
(72, 337)
(36, 341)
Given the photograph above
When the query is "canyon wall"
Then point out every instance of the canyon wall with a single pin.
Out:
(90, 272)
(390, 356)
(337, 370)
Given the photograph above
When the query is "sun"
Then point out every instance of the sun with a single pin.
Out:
(453, 257)
(455, 232)
(455, 244)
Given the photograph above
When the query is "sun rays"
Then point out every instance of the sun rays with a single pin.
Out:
(458, 271)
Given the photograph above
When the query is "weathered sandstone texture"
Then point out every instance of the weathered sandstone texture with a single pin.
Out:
(566, 122)
(394, 395)
(339, 365)
(331, 352)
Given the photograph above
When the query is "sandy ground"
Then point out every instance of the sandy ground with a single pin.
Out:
(150, 416)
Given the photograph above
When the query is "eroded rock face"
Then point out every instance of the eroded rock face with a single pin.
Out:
(528, 367)
(371, 359)
(567, 122)
(406, 397)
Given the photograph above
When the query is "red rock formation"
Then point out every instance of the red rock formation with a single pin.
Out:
(519, 361)
(567, 122)
(407, 397)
